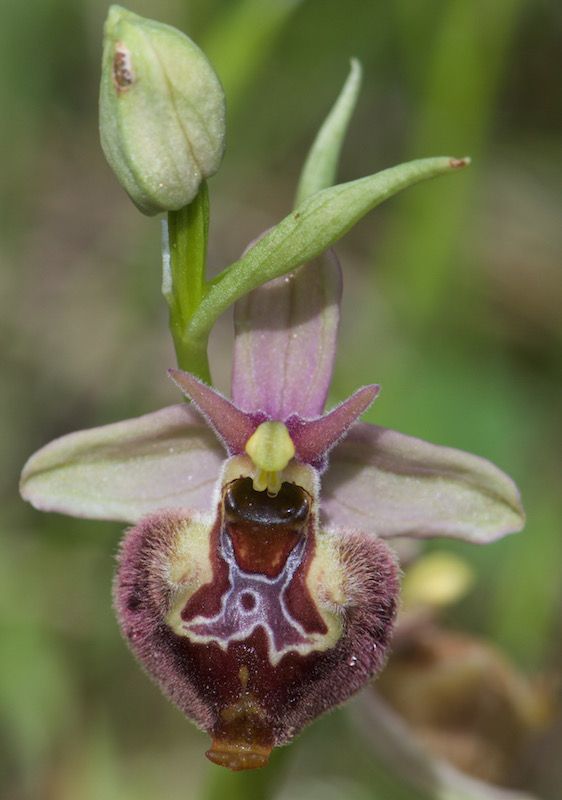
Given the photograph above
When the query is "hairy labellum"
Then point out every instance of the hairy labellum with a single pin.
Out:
(255, 622)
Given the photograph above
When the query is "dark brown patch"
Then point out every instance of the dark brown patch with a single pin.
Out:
(264, 529)
(123, 77)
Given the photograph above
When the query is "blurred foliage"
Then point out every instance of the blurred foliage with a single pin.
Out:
(453, 303)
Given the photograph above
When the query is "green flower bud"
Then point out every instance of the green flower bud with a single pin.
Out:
(162, 112)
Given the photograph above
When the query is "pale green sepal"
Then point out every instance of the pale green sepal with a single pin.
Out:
(308, 231)
(162, 112)
(392, 485)
(321, 165)
(123, 471)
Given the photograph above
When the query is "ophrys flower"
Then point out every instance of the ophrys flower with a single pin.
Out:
(256, 586)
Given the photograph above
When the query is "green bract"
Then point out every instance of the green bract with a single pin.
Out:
(162, 112)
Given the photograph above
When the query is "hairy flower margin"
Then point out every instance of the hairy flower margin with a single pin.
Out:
(256, 586)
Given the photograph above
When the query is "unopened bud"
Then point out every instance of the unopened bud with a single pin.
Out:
(162, 112)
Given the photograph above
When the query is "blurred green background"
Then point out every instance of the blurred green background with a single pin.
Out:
(453, 303)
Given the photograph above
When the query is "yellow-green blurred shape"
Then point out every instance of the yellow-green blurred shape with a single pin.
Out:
(436, 580)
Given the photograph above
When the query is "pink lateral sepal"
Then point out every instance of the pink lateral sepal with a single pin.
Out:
(233, 426)
(314, 438)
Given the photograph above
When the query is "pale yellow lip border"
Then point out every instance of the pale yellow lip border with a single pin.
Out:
(326, 589)
(325, 580)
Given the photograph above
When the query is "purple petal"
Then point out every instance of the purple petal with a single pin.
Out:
(396, 485)
(285, 341)
(314, 438)
(123, 471)
(398, 748)
(234, 427)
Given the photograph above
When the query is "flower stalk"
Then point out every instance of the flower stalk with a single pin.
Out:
(183, 284)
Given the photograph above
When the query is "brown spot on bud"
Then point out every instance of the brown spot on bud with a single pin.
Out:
(123, 77)
(458, 163)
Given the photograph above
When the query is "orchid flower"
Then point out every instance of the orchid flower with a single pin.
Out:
(256, 586)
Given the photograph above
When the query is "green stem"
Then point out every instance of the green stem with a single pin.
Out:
(191, 355)
(184, 283)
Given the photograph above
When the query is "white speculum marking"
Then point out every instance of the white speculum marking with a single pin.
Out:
(252, 601)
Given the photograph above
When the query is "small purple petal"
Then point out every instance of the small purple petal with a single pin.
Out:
(232, 426)
(395, 485)
(285, 341)
(123, 471)
(314, 438)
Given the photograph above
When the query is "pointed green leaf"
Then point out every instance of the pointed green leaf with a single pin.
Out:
(321, 165)
(308, 231)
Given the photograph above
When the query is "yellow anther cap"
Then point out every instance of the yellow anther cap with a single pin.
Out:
(271, 448)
